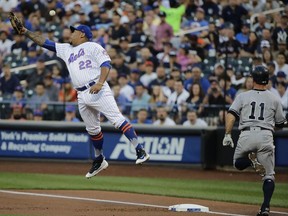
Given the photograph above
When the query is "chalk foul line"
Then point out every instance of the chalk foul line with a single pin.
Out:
(114, 201)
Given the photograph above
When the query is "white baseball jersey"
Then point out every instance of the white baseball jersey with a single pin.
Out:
(83, 61)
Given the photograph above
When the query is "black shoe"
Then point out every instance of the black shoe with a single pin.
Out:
(97, 166)
(264, 212)
(142, 156)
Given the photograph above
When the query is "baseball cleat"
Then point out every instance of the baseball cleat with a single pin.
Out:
(258, 167)
(142, 156)
(265, 212)
(97, 167)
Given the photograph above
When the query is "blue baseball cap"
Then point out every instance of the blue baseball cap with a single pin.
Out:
(83, 28)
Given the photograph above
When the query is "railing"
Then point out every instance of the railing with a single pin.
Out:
(252, 18)
(31, 66)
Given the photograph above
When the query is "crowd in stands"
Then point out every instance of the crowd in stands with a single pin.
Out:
(175, 62)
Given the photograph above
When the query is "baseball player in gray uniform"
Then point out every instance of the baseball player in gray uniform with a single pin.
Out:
(258, 111)
(89, 65)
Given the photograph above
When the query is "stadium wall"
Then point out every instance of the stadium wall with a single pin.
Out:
(62, 140)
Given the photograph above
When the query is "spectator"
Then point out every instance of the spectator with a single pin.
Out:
(149, 27)
(230, 91)
(19, 48)
(280, 64)
(17, 113)
(119, 64)
(283, 93)
(140, 100)
(100, 36)
(70, 114)
(164, 57)
(157, 97)
(8, 82)
(160, 79)
(37, 74)
(231, 47)
(211, 9)
(196, 96)
(51, 89)
(67, 93)
(112, 77)
(281, 77)
(121, 99)
(174, 14)
(176, 100)
(5, 45)
(125, 89)
(272, 73)
(19, 97)
(250, 49)
(193, 120)
(129, 53)
(260, 25)
(281, 48)
(162, 118)
(218, 71)
(116, 31)
(56, 76)
(164, 32)
(214, 98)
(135, 78)
(280, 32)
(267, 57)
(38, 115)
(142, 117)
(147, 56)
(196, 77)
(104, 21)
(139, 36)
(197, 22)
(243, 36)
(149, 75)
(234, 13)
(39, 99)
(185, 57)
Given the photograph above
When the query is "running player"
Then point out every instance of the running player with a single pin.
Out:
(259, 111)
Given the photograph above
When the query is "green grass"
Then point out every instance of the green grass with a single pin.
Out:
(237, 191)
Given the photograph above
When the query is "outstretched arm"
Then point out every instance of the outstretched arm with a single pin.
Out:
(38, 39)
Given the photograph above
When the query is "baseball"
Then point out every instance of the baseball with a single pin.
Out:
(52, 12)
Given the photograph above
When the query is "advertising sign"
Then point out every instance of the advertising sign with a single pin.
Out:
(44, 144)
(168, 148)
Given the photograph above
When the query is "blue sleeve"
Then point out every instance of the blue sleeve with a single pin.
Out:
(106, 64)
(50, 45)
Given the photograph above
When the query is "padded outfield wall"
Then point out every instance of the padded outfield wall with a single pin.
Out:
(62, 140)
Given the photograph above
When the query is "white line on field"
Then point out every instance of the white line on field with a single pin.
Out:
(111, 201)
(277, 212)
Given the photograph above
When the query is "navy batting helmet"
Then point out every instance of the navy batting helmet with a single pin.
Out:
(260, 75)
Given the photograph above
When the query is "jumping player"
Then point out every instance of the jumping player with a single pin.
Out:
(89, 64)
(259, 111)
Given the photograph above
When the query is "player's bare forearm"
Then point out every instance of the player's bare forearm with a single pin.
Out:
(38, 39)
(104, 74)
(230, 120)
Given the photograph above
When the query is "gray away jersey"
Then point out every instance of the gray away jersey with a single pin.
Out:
(256, 108)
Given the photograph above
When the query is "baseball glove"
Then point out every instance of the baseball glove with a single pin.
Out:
(16, 23)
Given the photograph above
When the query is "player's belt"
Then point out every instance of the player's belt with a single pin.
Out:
(85, 86)
(251, 128)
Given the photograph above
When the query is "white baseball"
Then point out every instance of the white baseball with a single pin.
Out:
(52, 12)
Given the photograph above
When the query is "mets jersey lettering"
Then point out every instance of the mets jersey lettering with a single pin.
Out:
(83, 61)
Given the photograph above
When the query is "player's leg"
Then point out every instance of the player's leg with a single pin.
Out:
(91, 118)
(240, 159)
(108, 107)
(266, 156)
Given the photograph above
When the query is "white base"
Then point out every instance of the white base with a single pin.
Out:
(188, 208)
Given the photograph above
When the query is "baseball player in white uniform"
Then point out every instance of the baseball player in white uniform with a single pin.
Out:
(259, 111)
(89, 64)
